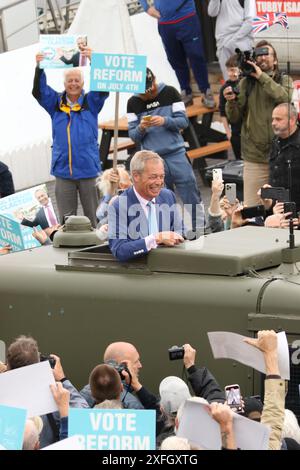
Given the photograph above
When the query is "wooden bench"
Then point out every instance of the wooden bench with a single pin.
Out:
(210, 149)
(125, 145)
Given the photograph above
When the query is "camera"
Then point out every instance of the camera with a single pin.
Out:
(52, 361)
(253, 211)
(244, 56)
(176, 352)
(277, 194)
(120, 368)
(290, 207)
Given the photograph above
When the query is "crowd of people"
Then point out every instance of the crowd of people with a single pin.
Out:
(116, 383)
(256, 111)
(145, 208)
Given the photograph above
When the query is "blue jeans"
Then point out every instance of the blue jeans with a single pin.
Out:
(182, 41)
(179, 173)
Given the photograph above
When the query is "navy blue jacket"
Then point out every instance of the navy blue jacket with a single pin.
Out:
(166, 139)
(128, 224)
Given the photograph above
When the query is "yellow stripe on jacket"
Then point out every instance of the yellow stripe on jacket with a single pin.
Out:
(65, 108)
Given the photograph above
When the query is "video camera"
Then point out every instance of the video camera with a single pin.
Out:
(244, 56)
(176, 352)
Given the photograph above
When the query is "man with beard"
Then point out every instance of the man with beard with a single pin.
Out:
(284, 156)
(260, 92)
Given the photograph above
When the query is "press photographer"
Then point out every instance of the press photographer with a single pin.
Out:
(260, 91)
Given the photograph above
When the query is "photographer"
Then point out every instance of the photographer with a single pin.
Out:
(261, 90)
(134, 395)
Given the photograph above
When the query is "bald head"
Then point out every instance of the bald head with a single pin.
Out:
(123, 352)
(284, 120)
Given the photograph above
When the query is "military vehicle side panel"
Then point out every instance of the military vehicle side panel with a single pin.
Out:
(75, 312)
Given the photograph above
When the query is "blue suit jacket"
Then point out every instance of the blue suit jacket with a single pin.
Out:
(128, 224)
(40, 219)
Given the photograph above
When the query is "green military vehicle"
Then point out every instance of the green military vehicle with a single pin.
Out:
(76, 301)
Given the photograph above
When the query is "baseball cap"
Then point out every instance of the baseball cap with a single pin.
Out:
(253, 406)
(173, 392)
(149, 78)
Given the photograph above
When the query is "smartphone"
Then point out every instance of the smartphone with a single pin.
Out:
(217, 174)
(234, 398)
(290, 207)
(230, 192)
(277, 194)
(147, 118)
(254, 211)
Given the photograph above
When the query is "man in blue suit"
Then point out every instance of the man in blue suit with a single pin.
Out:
(145, 215)
(45, 216)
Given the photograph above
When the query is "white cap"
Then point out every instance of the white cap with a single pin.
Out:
(173, 391)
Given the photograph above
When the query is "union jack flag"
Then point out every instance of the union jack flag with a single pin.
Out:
(260, 23)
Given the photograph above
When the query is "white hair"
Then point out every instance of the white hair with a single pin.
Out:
(31, 436)
(69, 70)
(290, 426)
(140, 158)
(175, 443)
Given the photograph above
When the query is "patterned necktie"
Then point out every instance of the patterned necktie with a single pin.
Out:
(51, 216)
(152, 220)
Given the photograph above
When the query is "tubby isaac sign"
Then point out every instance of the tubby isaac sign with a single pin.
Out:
(292, 7)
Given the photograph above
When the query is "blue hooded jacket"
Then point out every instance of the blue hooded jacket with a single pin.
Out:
(75, 153)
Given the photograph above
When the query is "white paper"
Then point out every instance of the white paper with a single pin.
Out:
(29, 388)
(202, 430)
(71, 443)
(226, 345)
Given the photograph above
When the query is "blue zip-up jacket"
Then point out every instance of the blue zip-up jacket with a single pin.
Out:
(171, 10)
(165, 139)
(75, 153)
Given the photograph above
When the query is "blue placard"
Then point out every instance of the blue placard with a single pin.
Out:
(118, 72)
(14, 208)
(113, 429)
(11, 234)
(12, 424)
(62, 50)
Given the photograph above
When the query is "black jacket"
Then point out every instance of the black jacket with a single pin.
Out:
(205, 385)
(6, 181)
(40, 219)
(283, 151)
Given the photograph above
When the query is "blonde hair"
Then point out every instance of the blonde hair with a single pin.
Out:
(104, 184)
